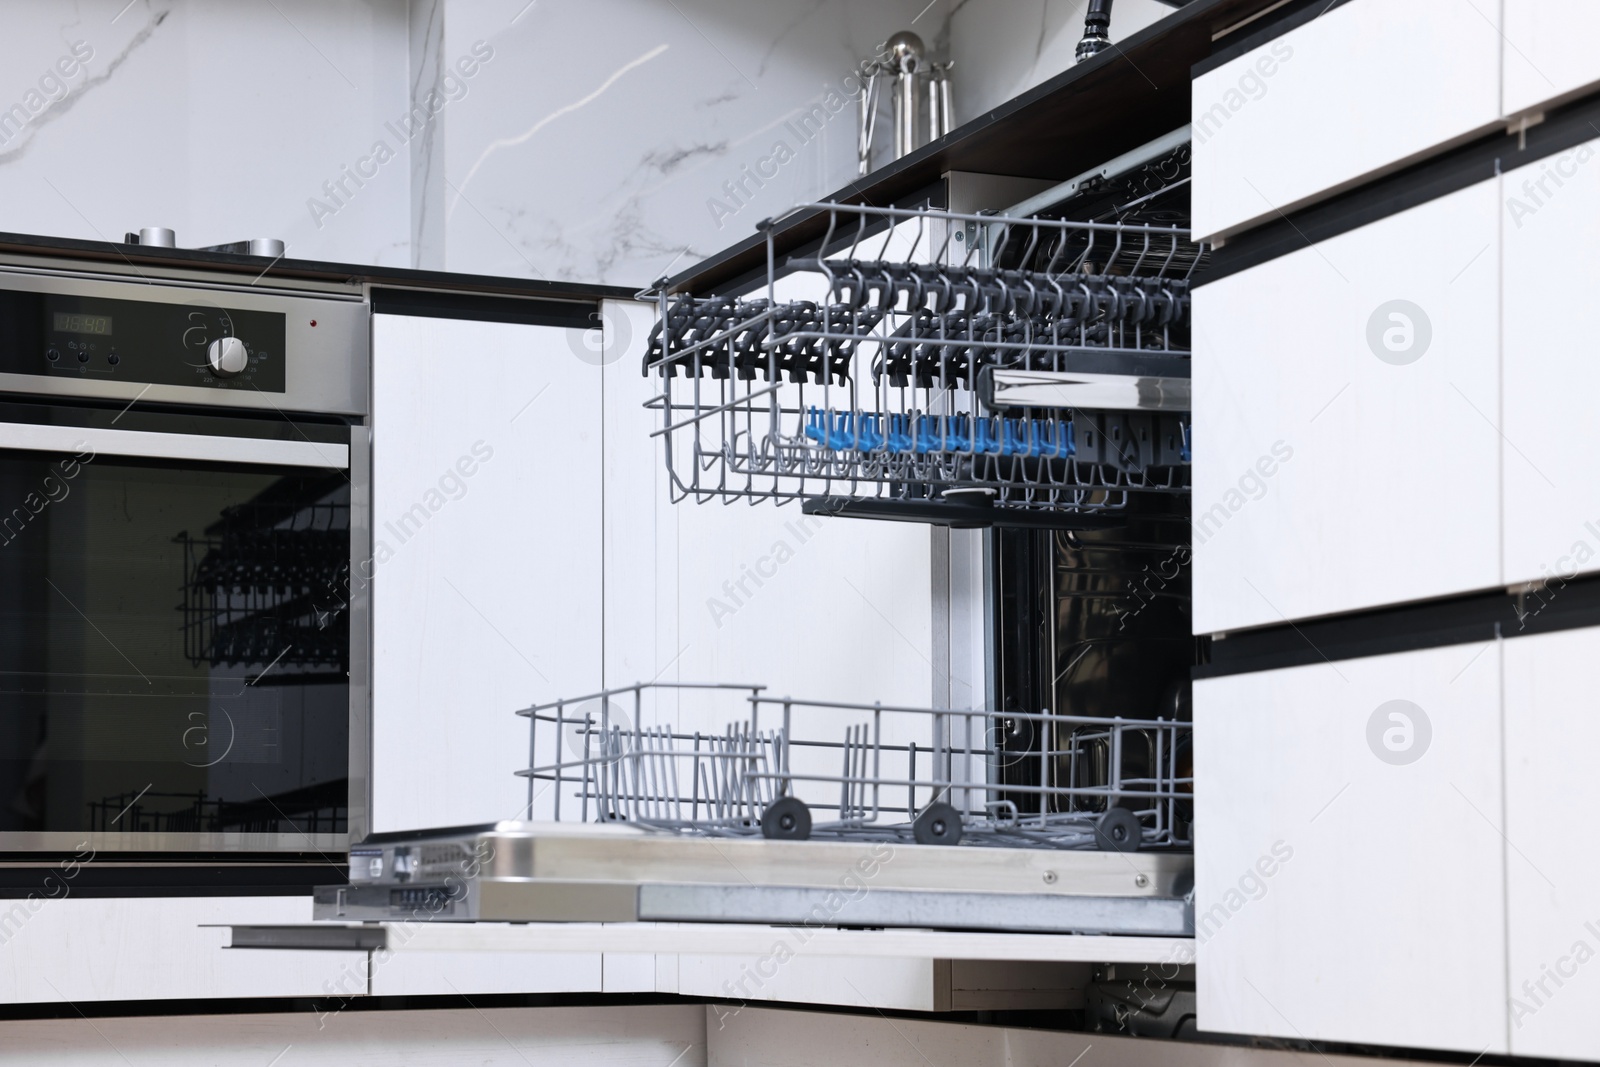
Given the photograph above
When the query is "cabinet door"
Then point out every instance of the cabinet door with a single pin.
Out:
(486, 574)
(1550, 54)
(1552, 868)
(1552, 499)
(1346, 402)
(1359, 91)
(1348, 864)
(488, 587)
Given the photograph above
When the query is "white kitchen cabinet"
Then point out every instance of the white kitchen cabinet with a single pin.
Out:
(486, 973)
(487, 552)
(863, 982)
(1552, 733)
(1346, 404)
(559, 564)
(1549, 51)
(1362, 90)
(1552, 500)
(76, 949)
(1343, 893)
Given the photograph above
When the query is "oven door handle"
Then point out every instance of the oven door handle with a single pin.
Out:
(145, 444)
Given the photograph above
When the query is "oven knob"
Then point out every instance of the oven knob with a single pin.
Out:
(227, 356)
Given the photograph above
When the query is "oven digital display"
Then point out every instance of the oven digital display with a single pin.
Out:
(74, 322)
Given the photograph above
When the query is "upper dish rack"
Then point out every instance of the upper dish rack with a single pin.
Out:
(926, 355)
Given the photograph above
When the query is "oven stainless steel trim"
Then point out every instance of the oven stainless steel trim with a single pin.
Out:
(326, 368)
(359, 608)
(33, 437)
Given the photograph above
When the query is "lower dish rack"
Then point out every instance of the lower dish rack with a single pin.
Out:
(791, 769)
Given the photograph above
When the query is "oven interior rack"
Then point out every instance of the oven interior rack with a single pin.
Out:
(256, 581)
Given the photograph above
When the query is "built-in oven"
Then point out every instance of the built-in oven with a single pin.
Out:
(184, 472)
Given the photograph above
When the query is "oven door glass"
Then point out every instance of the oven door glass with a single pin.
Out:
(174, 649)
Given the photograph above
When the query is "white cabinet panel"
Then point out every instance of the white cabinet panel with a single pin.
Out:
(1330, 473)
(1552, 868)
(641, 546)
(470, 973)
(489, 596)
(629, 972)
(802, 978)
(813, 607)
(158, 948)
(1343, 894)
(1361, 90)
(487, 545)
(1552, 499)
(1550, 53)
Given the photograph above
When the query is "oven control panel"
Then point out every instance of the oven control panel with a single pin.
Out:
(204, 343)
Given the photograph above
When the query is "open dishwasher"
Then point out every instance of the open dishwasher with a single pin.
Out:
(810, 812)
(1018, 376)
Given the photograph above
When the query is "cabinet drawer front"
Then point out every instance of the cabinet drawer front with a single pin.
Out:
(1552, 497)
(1346, 455)
(1550, 53)
(1554, 924)
(1362, 90)
(1348, 860)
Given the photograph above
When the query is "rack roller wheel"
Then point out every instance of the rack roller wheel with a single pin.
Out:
(1118, 830)
(939, 824)
(786, 819)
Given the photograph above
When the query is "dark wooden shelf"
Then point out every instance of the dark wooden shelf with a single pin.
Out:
(1128, 95)
(267, 269)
